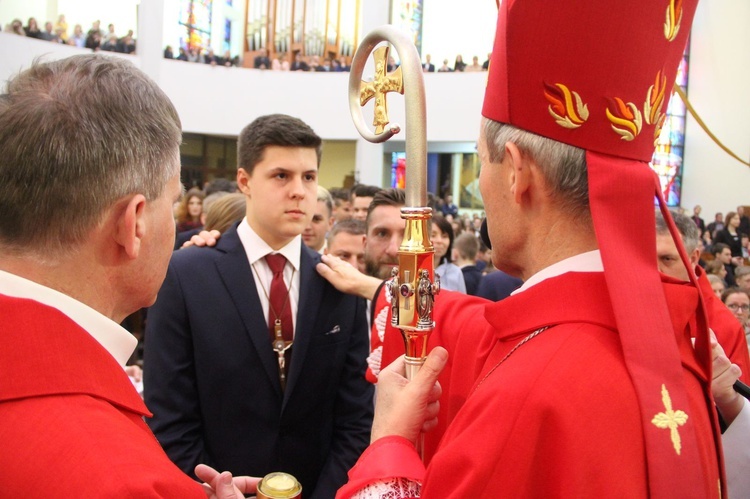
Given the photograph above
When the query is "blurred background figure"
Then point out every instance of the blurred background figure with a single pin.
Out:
(189, 212)
(441, 234)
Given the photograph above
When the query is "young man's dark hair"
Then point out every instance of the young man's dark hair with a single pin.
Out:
(367, 191)
(339, 194)
(718, 248)
(273, 130)
(351, 226)
(467, 246)
(387, 197)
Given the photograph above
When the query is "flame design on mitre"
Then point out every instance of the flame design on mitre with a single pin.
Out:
(652, 108)
(626, 119)
(565, 106)
(674, 18)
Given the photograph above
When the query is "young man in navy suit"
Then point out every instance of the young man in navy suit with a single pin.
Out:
(212, 377)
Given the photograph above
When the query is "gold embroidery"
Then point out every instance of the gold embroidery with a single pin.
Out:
(627, 121)
(674, 18)
(382, 83)
(655, 98)
(670, 419)
(566, 112)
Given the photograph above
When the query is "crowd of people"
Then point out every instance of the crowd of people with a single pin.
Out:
(197, 54)
(724, 248)
(458, 66)
(98, 39)
(95, 38)
(269, 327)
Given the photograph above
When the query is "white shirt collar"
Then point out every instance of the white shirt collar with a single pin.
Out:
(256, 248)
(591, 261)
(110, 335)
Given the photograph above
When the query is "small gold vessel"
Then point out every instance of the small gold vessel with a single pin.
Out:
(279, 485)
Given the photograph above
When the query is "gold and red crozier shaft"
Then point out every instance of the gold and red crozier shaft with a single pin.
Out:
(413, 287)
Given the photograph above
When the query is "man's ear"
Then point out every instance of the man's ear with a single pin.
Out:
(243, 181)
(131, 226)
(695, 257)
(519, 171)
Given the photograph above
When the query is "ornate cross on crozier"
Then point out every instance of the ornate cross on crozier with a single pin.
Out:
(382, 83)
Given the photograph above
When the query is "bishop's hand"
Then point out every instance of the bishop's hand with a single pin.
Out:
(407, 408)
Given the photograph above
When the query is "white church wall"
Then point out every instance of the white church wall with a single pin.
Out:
(718, 89)
(220, 101)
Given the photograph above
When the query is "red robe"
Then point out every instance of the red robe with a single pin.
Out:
(71, 423)
(560, 417)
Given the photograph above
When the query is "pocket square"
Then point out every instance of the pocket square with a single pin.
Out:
(335, 330)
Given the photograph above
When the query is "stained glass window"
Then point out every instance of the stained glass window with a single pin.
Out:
(407, 15)
(195, 17)
(667, 160)
(227, 44)
(398, 170)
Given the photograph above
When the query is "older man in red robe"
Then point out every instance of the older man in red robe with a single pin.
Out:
(85, 237)
(584, 383)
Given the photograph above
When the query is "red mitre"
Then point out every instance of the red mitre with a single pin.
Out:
(598, 75)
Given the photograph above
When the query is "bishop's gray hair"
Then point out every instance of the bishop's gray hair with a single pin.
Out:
(563, 165)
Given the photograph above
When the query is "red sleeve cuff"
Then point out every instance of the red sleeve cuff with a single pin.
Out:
(388, 457)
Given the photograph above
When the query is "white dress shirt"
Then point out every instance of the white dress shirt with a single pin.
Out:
(591, 261)
(256, 250)
(110, 335)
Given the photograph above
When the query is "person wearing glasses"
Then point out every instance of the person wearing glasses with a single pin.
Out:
(738, 302)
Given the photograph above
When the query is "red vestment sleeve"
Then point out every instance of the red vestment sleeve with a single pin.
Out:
(388, 457)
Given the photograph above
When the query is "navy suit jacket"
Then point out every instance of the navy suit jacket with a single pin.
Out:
(498, 285)
(211, 377)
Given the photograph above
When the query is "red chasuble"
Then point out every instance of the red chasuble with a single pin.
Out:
(560, 416)
(71, 423)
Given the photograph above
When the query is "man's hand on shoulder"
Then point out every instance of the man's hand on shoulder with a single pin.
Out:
(346, 278)
(204, 238)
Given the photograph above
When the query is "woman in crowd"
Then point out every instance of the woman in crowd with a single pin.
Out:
(715, 267)
(225, 211)
(738, 302)
(730, 234)
(16, 27)
(61, 28)
(189, 213)
(32, 29)
(459, 226)
(441, 234)
(78, 38)
(717, 285)
(460, 65)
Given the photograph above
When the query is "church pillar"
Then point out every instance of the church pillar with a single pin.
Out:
(369, 163)
(151, 37)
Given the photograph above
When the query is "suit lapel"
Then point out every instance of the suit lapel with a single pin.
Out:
(311, 289)
(237, 276)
